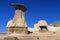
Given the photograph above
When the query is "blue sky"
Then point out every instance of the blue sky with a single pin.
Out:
(48, 10)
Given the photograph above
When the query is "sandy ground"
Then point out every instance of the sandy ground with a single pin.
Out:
(34, 36)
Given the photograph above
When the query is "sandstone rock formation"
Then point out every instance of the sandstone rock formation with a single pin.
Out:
(17, 28)
(18, 23)
(40, 23)
(10, 23)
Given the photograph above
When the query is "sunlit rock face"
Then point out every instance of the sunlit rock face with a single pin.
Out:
(19, 17)
(40, 23)
(53, 29)
(10, 23)
(18, 23)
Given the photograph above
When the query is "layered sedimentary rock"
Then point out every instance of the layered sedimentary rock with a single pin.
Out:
(18, 23)
(40, 23)
(34, 36)
(19, 27)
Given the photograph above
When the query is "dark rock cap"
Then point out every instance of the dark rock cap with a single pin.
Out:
(19, 7)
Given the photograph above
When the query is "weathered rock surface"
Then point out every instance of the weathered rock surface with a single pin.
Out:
(17, 28)
(18, 23)
(40, 23)
(11, 38)
(34, 36)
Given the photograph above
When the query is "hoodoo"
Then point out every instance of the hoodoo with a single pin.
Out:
(18, 22)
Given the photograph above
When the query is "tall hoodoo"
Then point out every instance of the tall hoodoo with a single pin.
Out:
(19, 15)
(19, 23)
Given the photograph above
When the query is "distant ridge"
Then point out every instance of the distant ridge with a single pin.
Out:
(56, 23)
